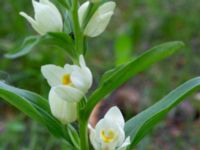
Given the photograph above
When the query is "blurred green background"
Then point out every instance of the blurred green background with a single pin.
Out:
(136, 26)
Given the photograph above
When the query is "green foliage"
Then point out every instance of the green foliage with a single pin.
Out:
(64, 3)
(35, 107)
(28, 44)
(61, 40)
(141, 124)
(167, 19)
(114, 78)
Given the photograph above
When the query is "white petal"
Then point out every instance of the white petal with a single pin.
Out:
(82, 61)
(126, 143)
(71, 68)
(107, 125)
(81, 76)
(68, 93)
(100, 19)
(54, 10)
(115, 115)
(82, 12)
(31, 21)
(64, 111)
(94, 140)
(90, 127)
(108, 147)
(29, 18)
(98, 25)
(53, 74)
(86, 70)
(44, 1)
(82, 79)
(47, 16)
(107, 7)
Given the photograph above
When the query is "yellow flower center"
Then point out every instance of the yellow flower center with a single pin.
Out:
(66, 79)
(108, 136)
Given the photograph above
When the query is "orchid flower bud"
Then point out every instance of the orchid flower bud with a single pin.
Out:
(68, 86)
(100, 19)
(47, 17)
(109, 132)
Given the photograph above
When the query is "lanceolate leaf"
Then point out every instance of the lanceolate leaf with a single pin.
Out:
(121, 74)
(60, 39)
(35, 107)
(138, 126)
(24, 48)
(74, 137)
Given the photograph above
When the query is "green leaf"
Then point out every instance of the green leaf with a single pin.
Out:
(64, 3)
(59, 39)
(24, 48)
(74, 136)
(118, 76)
(138, 126)
(35, 107)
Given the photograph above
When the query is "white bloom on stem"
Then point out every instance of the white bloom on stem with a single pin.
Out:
(64, 111)
(68, 86)
(47, 17)
(99, 20)
(109, 132)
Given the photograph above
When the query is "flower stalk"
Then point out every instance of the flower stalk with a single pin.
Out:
(83, 130)
(79, 47)
(77, 30)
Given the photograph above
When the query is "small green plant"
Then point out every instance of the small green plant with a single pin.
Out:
(67, 101)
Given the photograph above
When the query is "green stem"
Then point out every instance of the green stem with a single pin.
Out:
(79, 48)
(84, 135)
(77, 30)
(83, 124)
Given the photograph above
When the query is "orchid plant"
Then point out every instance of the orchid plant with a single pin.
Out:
(69, 101)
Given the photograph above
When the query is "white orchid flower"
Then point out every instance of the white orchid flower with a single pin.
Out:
(109, 132)
(47, 17)
(100, 19)
(64, 111)
(68, 86)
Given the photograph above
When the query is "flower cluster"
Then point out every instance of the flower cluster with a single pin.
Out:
(71, 83)
(48, 18)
